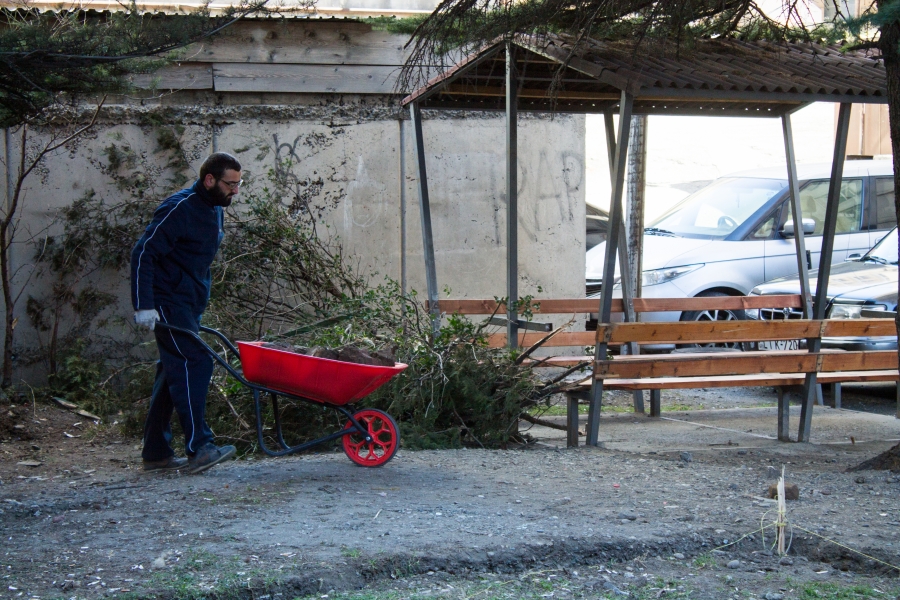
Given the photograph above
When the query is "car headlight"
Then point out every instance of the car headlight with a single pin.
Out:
(851, 311)
(752, 313)
(658, 276)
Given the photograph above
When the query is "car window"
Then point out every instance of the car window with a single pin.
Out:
(886, 249)
(814, 200)
(719, 208)
(764, 231)
(885, 216)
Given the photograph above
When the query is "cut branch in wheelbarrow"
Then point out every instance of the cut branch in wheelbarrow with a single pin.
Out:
(313, 326)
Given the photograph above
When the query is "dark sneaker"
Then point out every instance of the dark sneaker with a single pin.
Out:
(167, 464)
(208, 456)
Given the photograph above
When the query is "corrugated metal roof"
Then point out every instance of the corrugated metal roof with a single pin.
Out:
(712, 77)
(341, 9)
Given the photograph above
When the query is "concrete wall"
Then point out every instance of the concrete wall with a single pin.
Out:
(369, 196)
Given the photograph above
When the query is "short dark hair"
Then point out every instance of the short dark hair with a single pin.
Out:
(216, 165)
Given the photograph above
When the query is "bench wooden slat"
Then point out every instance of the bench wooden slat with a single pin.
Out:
(860, 327)
(716, 302)
(702, 332)
(758, 380)
(592, 305)
(564, 338)
(858, 376)
(745, 363)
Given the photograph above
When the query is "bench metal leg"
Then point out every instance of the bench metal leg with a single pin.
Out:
(784, 416)
(898, 400)
(806, 410)
(572, 421)
(819, 396)
(596, 404)
(638, 401)
(836, 393)
(655, 403)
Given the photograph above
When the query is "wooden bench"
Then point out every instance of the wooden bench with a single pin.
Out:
(779, 369)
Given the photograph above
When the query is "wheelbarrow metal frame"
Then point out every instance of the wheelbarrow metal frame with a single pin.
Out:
(259, 389)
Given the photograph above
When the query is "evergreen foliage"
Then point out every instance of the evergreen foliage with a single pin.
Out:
(51, 57)
(463, 26)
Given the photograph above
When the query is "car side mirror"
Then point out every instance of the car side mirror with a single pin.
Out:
(809, 227)
(854, 256)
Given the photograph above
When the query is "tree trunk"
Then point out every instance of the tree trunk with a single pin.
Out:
(634, 212)
(10, 323)
(889, 44)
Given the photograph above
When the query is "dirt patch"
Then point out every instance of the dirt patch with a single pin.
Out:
(886, 461)
(86, 522)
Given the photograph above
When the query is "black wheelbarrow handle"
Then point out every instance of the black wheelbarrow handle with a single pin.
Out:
(209, 350)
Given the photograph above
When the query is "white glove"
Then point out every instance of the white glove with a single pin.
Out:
(146, 318)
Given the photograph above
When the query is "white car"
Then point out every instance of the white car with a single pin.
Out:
(856, 287)
(737, 232)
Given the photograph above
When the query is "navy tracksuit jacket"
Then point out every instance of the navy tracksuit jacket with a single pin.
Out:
(170, 272)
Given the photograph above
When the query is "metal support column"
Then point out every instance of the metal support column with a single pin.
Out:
(810, 388)
(625, 261)
(401, 181)
(512, 200)
(425, 213)
(799, 243)
(616, 227)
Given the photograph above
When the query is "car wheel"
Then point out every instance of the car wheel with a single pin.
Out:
(715, 315)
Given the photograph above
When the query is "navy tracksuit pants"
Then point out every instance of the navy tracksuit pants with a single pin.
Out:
(182, 381)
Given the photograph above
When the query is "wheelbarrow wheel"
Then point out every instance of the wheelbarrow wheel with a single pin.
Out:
(385, 438)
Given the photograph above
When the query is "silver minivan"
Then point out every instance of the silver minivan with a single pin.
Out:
(737, 232)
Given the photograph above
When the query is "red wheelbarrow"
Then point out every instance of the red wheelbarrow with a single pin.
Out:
(370, 437)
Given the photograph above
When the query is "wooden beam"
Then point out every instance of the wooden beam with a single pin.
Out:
(461, 89)
(289, 42)
(587, 305)
(185, 76)
(322, 79)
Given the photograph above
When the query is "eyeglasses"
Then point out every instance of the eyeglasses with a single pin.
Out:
(233, 184)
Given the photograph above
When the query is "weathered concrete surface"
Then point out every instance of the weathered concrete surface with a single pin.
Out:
(348, 159)
(321, 94)
(732, 429)
(317, 522)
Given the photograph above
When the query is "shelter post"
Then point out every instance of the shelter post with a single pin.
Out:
(512, 200)
(825, 258)
(425, 213)
(626, 259)
(616, 225)
(797, 216)
(802, 265)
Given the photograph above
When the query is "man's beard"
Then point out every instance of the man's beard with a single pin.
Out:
(220, 198)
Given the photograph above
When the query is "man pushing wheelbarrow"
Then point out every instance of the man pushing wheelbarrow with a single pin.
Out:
(170, 285)
(170, 282)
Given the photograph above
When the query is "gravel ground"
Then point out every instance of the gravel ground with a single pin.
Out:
(527, 522)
